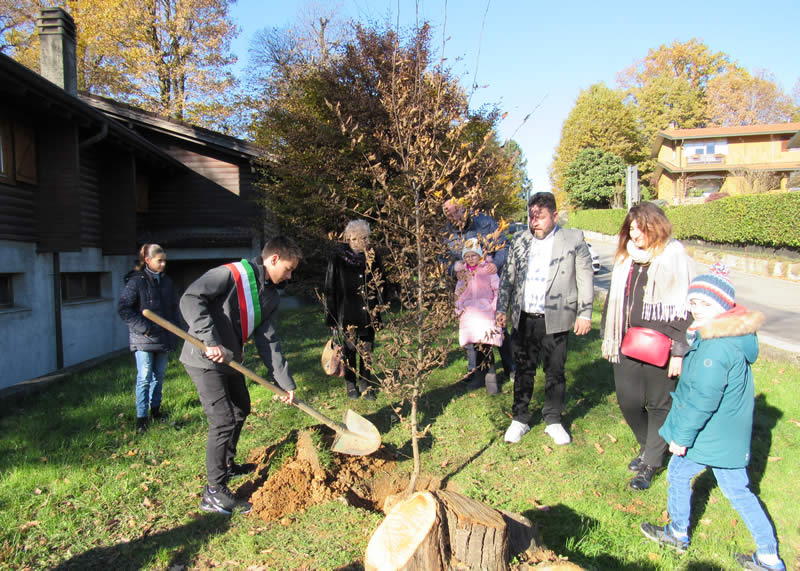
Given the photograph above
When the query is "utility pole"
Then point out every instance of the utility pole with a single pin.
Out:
(632, 195)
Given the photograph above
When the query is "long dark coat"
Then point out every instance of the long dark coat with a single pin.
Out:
(350, 289)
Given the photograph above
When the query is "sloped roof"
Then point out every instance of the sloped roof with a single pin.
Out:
(27, 87)
(173, 127)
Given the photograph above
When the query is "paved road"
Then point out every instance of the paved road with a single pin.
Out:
(778, 299)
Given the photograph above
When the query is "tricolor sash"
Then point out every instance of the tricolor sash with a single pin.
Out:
(247, 291)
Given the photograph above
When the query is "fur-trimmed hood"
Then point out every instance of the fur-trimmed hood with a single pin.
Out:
(736, 321)
(738, 326)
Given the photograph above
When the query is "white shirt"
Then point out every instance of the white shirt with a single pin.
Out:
(540, 255)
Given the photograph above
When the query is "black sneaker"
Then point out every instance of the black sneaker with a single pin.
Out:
(751, 561)
(158, 414)
(221, 500)
(664, 536)
(141, 424)
(235, 470)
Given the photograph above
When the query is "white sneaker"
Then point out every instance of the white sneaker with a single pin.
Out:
(558, 434)
(516, 431)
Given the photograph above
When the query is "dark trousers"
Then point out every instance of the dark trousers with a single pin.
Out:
(506, 355)
(643, 394)
(366, 339)
(532, 345)
(226, 402)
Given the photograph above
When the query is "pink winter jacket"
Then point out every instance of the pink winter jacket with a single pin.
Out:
(476, 304)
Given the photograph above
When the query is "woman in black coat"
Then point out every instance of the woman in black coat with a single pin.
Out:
(353, 286)
(148, 287)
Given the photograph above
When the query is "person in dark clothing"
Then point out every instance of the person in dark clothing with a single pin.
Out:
(224, 308)
(148, 287)
(353, 289)
(648, 289)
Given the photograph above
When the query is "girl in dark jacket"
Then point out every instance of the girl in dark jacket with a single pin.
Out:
(148, 287)
(352, 291)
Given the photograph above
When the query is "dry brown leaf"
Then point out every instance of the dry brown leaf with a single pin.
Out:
(598, 448)
(611, 437)
(37, 491)
(774, 458)
(547, 449)
(147, 503)
(28, 525)
(795, 421)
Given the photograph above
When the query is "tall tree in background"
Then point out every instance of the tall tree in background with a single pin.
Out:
(171, 57)
(691, 60)
(739, 98)
(666, 101)
(601, 119)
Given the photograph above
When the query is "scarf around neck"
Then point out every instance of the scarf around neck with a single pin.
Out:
(665, 292)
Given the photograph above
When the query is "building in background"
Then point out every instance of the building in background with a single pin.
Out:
(693, 163)
(84, 181)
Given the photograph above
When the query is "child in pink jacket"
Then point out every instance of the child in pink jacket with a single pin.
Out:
(476, 302)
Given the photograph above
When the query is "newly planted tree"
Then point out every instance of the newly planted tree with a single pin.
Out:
(423, 157)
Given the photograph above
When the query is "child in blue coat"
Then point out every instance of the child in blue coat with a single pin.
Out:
(711, 420)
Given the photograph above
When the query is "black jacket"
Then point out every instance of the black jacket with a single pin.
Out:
(210, 306)
(142, 292)
(351, 289)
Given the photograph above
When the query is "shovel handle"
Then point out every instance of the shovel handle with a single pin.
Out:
(172, 328)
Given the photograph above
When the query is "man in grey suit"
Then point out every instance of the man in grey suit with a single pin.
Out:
(546, 288)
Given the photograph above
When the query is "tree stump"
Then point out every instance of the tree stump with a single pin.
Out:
(445, 530)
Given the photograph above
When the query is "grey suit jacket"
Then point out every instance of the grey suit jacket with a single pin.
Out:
(570, 289)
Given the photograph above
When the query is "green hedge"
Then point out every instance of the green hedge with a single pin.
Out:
(768, 220)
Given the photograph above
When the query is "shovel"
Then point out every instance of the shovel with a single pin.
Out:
(357, 436)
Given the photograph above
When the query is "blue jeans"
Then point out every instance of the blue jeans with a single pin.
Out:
(150, 367)
(734, 484)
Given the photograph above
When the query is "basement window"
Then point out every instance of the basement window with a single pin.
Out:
(6, 291)
(80, 286)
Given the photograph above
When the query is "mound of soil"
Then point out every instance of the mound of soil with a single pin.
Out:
(304, 480)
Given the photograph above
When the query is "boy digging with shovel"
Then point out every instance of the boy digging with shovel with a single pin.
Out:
(223, 308)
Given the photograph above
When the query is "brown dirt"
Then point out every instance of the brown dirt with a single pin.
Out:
(302, 481)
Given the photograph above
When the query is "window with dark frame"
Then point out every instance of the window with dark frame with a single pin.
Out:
(80, 286)
(6, 291)
(17, 152)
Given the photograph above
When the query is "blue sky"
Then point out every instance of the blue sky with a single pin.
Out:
(537, 56)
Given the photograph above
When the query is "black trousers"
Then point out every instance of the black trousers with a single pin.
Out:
(643, 393)
(226, 402)
(351, 359)
(532, 345)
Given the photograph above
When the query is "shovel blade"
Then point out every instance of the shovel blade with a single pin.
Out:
(361, 437)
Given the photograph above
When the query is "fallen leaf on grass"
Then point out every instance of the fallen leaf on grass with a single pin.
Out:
(146, 502)
(774, 458)
(611, 437)
(444, 464)
(705, 521)
(37, 491)
(795, 421)
(28, 525)
(43, 459)
(547, 449)
(132, 452)
(653, 556)
(598, 448)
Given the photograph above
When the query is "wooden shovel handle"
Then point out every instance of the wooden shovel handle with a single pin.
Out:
(172, 328)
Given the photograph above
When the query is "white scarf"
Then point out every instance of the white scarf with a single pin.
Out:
(665, 292)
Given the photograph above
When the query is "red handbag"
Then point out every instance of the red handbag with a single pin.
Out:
(646, 345)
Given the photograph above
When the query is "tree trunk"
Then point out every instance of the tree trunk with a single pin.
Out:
(444, 530)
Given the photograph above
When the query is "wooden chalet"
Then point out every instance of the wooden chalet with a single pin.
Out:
(84, 181)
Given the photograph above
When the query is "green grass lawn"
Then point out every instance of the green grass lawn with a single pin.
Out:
(79, 489)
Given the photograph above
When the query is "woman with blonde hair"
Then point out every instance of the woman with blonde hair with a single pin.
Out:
(644, 329)
(353, 289)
